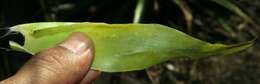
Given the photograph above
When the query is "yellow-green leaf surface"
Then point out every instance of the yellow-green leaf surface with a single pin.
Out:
(123, 47)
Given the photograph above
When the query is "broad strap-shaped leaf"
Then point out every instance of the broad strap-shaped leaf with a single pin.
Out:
(123, 47)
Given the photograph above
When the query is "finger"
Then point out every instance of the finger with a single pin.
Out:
(90, 77)
(66, 63)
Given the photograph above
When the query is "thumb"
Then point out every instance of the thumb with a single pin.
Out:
(66, 63)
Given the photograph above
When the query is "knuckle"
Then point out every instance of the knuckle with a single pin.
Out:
(52, 58)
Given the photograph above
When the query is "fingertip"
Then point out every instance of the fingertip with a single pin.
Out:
(77, 43)
(90, 76)
(69, 62)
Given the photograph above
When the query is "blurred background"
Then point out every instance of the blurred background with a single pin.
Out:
(224, 21)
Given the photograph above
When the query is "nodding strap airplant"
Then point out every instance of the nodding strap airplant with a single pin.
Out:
(123, 47)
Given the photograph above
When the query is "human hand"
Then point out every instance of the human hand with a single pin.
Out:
(67, 63)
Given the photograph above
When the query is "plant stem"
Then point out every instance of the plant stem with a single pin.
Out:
(138, 11)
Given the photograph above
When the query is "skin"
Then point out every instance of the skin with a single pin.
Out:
(67, 63)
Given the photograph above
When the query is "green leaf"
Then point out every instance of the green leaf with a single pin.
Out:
(186, 12)
(124, 47)
(138, 11)
(232, 7)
